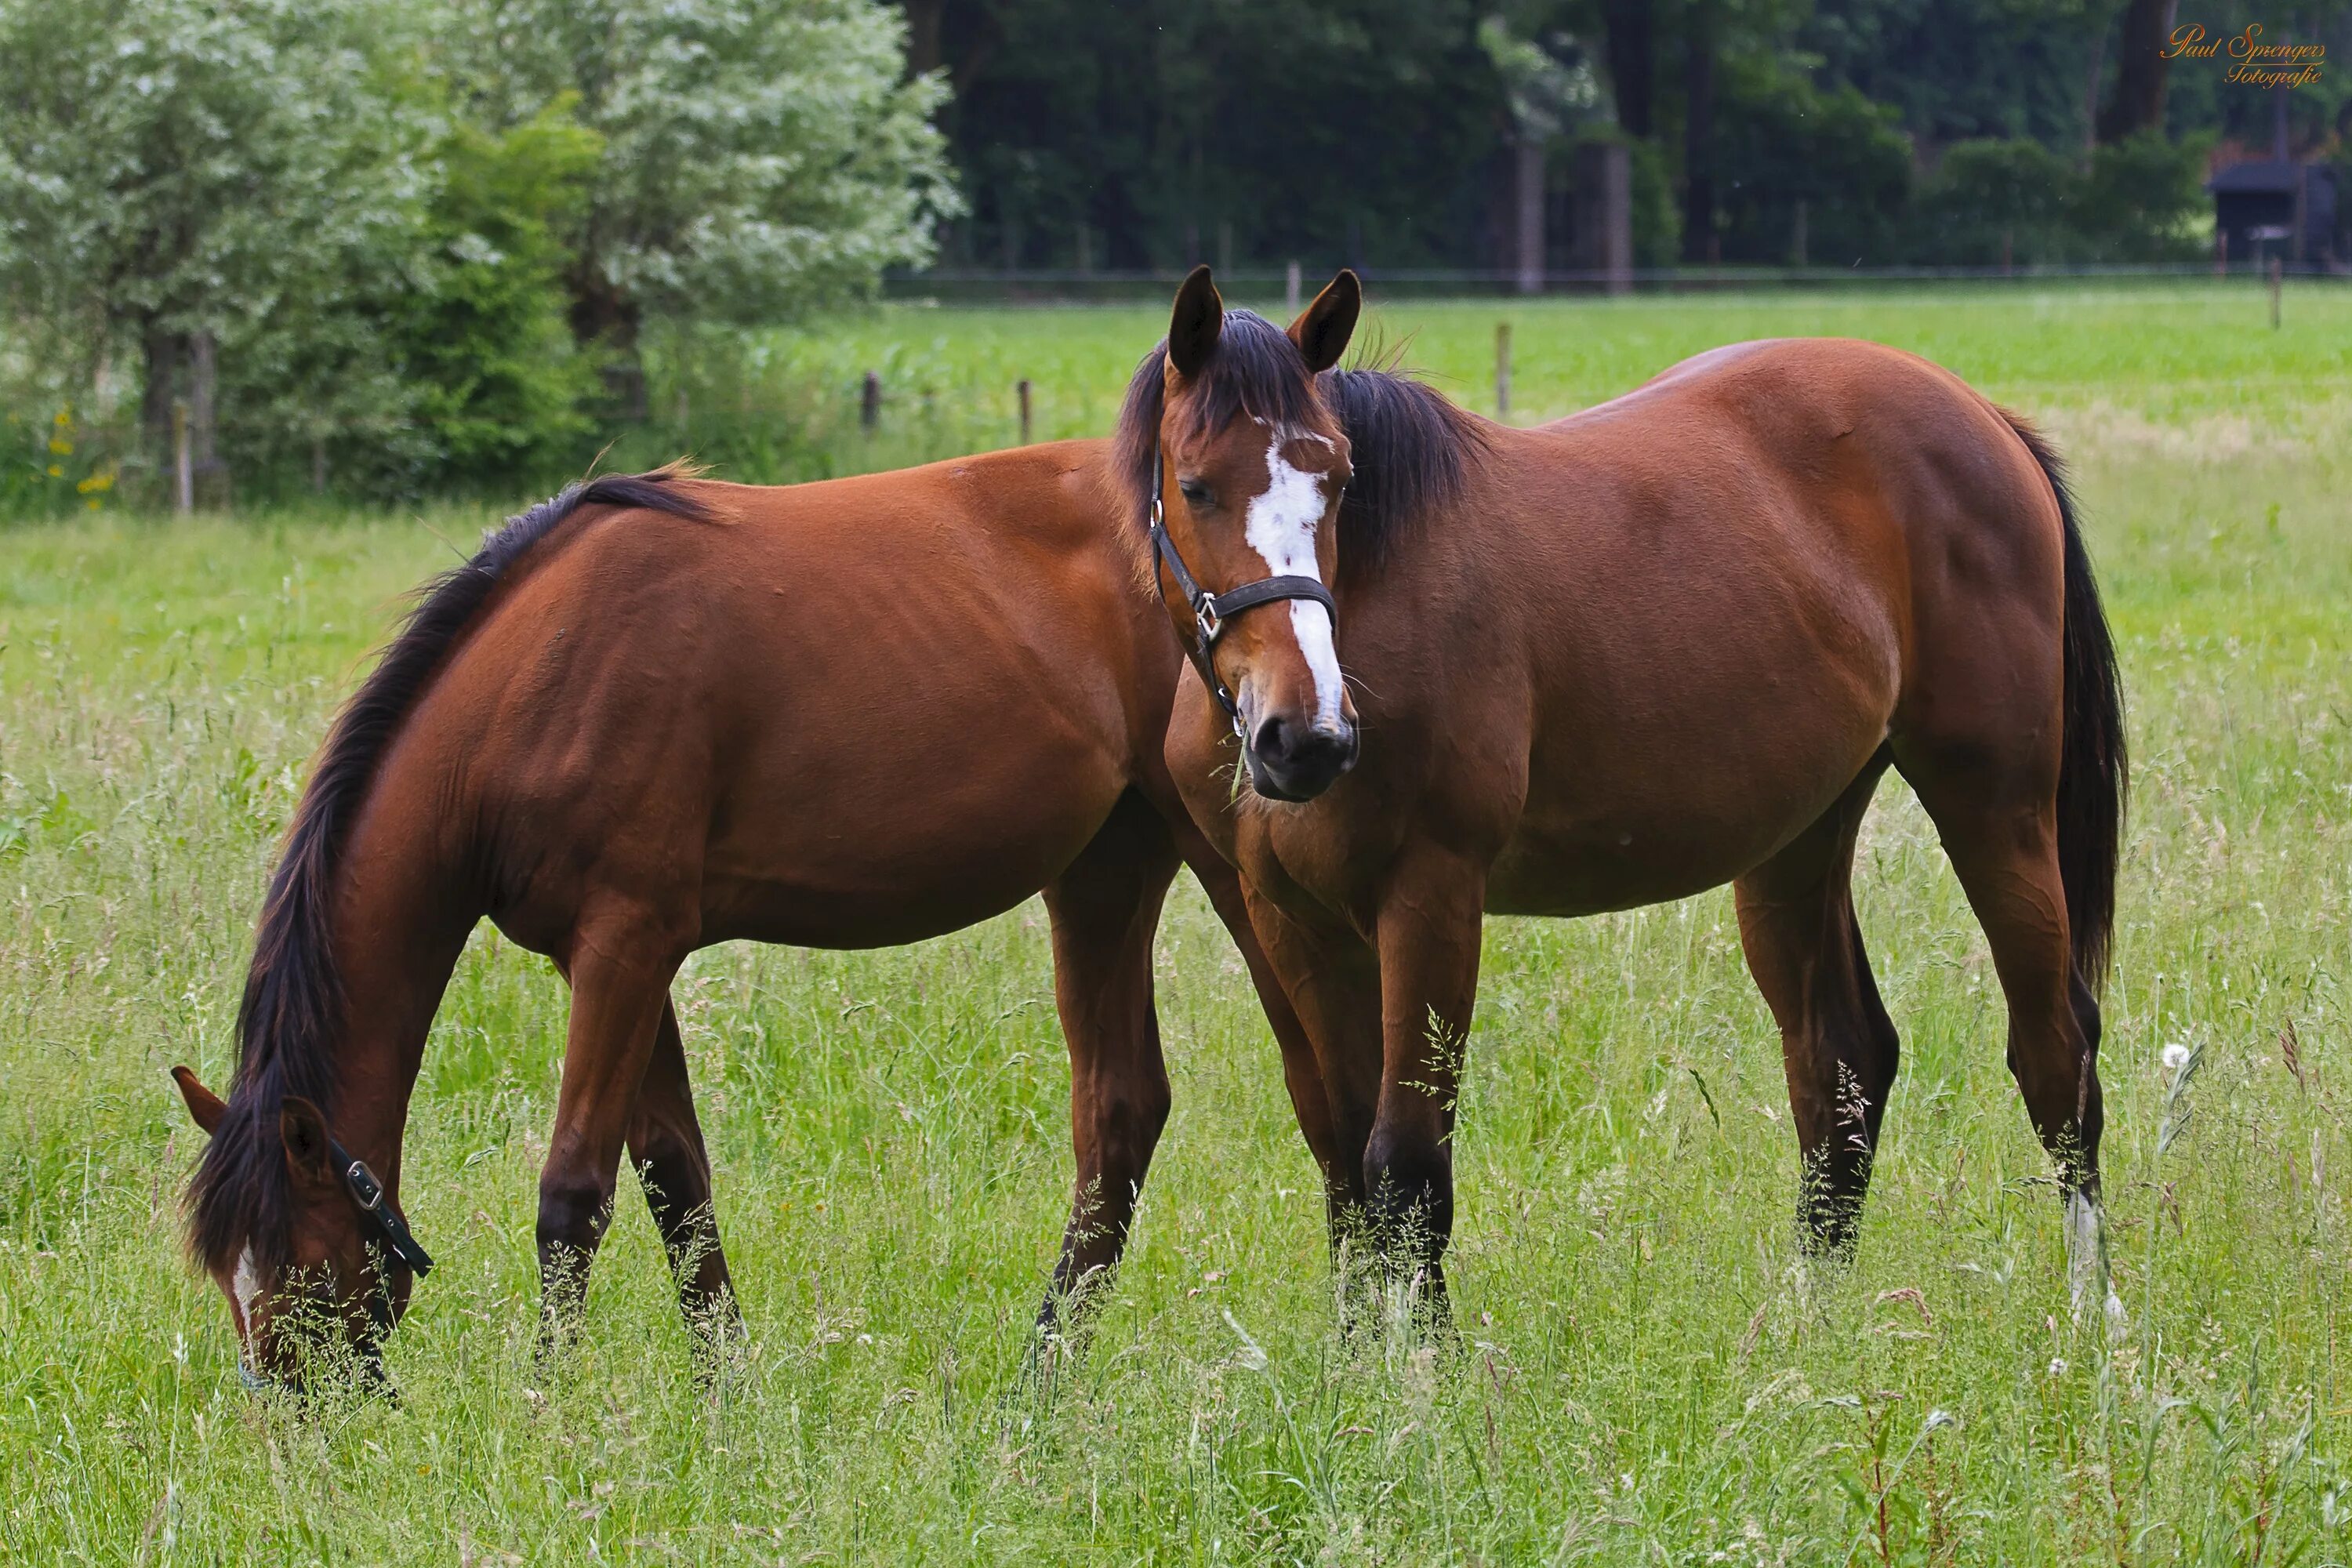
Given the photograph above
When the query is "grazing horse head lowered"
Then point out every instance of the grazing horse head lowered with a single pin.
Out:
(344, 1261)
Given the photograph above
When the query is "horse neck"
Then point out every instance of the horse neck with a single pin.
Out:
(403, 910)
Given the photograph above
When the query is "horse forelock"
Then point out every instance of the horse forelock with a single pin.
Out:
(1411, 448)
(291, 1011)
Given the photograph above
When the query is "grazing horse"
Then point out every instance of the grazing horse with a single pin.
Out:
(1667, 643)
(657, 713)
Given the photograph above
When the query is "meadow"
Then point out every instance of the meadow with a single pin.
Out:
(1639, 1375)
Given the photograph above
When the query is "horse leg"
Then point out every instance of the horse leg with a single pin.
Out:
(1999, 827)
(1332, 979)
(620, 991)
(1428, 936)
(664, 1140)
(1302, 1071)
(1106, 910)
(1804, 948)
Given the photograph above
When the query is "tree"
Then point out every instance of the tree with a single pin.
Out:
(760, 158)
(1550, 91)
(480, 338)
(1700, 241)
(2138, 102)
(1633, 62)
(204, 181)
(1141, 135)
(1992, 200)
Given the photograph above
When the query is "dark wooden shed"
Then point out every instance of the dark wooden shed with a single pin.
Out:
(2276, 207)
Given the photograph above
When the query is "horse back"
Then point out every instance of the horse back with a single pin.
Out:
(790, 717)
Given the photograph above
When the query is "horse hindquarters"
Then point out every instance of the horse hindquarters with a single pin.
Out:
(2028, 806)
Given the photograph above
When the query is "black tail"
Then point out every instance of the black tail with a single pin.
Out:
(2092, 773)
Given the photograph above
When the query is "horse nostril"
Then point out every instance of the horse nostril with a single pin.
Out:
(1272, 742)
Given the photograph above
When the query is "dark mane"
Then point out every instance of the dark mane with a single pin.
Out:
(287, 1022)
(1411, 447)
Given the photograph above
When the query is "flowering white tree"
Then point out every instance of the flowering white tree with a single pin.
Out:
(266, 199)
(761, 158)
(193, 179)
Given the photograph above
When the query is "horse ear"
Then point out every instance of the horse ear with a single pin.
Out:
(304, 1131)
(203, 1103)
(1193, 332)
(1323, 329)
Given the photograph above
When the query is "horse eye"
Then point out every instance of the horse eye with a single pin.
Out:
(1194, 491)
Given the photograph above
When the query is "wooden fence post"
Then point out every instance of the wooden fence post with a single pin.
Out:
(1290, 290)
(1502, 370)
(870, 404)
(183, 465)
(2278, 271)
(1026, 424)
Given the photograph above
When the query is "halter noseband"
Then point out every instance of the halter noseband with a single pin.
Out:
(1211, 613)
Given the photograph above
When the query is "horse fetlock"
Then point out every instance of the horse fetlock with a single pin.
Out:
(2089, 1278)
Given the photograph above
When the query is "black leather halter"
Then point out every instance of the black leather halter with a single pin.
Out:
(1212, 613)
(378, 1212)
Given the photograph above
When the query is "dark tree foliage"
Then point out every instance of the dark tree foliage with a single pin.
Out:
(1330, 129)
(1377, 131)
(1785, 142)
(1957, 69)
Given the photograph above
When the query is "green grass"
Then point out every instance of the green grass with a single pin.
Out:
(1640, 1380)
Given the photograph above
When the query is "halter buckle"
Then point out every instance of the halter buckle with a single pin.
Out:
(366, 1190)
(1205, 617)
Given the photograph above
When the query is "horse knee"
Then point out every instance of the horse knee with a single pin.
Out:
(670, 1166)
(1126, 1128)
(1408, 1186)
(573, 1213)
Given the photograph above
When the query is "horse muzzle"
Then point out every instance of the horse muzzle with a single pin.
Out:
(1291, 760)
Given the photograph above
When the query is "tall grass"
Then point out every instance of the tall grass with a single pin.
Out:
(1640, 1378)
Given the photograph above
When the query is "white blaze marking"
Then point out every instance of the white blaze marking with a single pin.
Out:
(1280, 526)
(246, 1283)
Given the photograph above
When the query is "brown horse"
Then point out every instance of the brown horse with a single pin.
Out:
(1670, 642)
(657, 713)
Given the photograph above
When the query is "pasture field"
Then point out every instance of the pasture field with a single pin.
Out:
(1639, 1376)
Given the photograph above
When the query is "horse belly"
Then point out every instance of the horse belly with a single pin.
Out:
(1640, 823)
(875, 850)
(1636, 855)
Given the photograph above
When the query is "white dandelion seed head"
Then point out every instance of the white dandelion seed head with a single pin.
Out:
(2176, 1057)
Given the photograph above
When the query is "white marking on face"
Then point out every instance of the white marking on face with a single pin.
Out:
(246, 1283)
(1280, 526)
